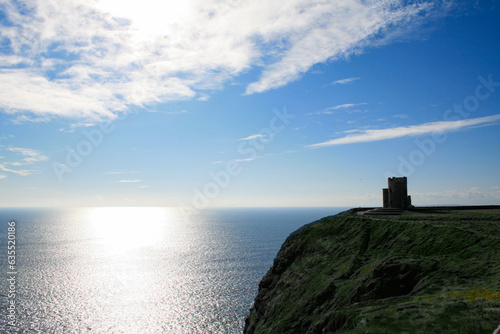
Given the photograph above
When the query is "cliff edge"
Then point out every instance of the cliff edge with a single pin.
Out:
(426, 272)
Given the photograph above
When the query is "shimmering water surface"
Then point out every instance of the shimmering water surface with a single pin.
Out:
(141, 270)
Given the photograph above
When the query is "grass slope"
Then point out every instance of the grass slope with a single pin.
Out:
(433, 273)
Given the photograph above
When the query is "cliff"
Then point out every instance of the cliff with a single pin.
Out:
(434, 272)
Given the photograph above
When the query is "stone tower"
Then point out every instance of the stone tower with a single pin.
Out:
(395, 196)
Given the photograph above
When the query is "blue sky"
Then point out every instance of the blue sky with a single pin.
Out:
(248, 103)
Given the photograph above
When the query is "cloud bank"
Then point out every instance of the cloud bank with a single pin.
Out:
(403, 131)
(95, 59)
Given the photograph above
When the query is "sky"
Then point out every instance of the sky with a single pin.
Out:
(287, 103)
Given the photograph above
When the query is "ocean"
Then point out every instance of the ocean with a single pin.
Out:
(137, 270)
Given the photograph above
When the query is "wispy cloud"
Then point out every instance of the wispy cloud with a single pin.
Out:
(245, 159)
(22, 172)
(129, 181)
(176, 112)
(26, 119)
(344, 81)
(332, 110)
(346, 106)
(30, 156)
(336, 29)
(255, 136)
(203, 97)
(94, 59)
(414, 130)
(401, 116)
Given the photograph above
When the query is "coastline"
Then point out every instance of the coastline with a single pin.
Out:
(351, 273)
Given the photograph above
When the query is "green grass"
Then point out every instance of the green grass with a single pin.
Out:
(432, 273)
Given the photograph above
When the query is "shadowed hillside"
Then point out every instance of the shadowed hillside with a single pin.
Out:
(434, 272)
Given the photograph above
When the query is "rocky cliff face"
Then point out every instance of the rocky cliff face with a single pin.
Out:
(428, 273)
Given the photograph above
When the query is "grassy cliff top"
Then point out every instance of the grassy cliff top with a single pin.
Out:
(431, 272)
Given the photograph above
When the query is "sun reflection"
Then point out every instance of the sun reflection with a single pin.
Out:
(127, 228)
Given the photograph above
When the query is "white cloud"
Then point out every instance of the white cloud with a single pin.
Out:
(2, 176)
(401, 116)
(330, 110)
(414, 130)
(344, 81)
(11, 60)
(336, 29)
(26, 119)
(22, 172)
(346, 106)
(203, 97)
(129, 181)
(94, 59)
(245, 160)
(25, 90)
(176, 112)
(31, 156)
(255, 136)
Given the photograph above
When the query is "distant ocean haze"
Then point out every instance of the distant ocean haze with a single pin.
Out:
(141, 270)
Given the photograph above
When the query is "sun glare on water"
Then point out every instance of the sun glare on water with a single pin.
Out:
(122, 229)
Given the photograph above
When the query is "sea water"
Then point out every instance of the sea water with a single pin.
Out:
(137, 270)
